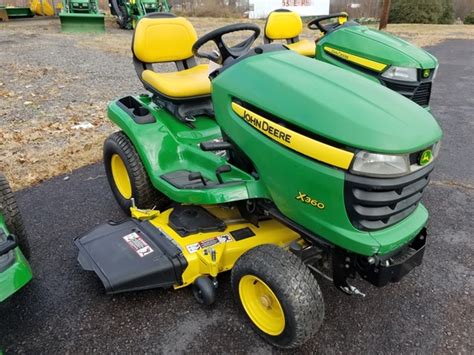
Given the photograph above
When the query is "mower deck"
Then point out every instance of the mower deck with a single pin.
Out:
(173, 248)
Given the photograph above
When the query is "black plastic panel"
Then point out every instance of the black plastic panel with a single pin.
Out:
(399, 264)
(376, 203)
(7, 254)
(417, 92)
(180, 180)
(130, 256)
(136, 110)
(243, 233)
(186, 220)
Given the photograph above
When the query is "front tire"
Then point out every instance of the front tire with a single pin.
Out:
(12, 217)
(127, 176)
(279, 295)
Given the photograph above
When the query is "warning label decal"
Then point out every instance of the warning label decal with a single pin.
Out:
(203, 244)
(137, 244)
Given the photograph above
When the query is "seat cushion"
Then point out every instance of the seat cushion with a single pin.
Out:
(181, 84)
(159, 40)
(283, 25)
(304, 47)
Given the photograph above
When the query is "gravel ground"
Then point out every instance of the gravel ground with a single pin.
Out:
(51, 82)
(430, 311)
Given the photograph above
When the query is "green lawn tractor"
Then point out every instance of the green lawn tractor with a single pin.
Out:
(15, 272)
(82, 16)
(376, 55)
(265, 165)
(128, 12)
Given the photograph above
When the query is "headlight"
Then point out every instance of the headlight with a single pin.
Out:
(380, 164)
(400, 73)
(385, 165)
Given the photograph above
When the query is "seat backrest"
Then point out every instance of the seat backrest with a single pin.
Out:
(283, 24)
(163, 39)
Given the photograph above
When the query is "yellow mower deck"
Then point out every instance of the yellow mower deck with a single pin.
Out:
(148, 251)
(197, 248)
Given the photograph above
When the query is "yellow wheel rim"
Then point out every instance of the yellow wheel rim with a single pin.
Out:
(121, 178)
(261, 305)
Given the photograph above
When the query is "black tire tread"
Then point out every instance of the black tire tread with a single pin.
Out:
(12, 216)
(145, 194)
(295, 281)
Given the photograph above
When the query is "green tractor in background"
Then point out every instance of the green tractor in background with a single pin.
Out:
(376, 55)
(128, 12)
(81, 16)
(15, 272)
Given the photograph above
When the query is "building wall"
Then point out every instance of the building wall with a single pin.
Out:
(261, 8)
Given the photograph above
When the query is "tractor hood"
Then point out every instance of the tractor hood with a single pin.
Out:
(325, 100)
(382, 46)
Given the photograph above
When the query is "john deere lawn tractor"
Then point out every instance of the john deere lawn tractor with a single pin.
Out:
(15, 272)
(376, 55)
(81, 16)
(272, 165)
(128, 12)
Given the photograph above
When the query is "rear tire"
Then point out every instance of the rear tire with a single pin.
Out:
(127, 176)
(12, 217)
(279, 295)
(121, 13)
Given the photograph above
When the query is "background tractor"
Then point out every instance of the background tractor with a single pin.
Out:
(81, 16)
(128, 12)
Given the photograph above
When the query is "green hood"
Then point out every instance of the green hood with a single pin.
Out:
(379, 46)
(328, 101)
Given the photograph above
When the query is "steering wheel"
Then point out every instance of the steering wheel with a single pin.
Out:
(225, 51)
(315, 24)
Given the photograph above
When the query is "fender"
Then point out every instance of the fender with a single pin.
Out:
(166, 145)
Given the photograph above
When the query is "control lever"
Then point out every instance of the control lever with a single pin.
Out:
(220, 170)
(213, 146)
(197, 176)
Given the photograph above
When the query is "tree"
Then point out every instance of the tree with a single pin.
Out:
(447, 15)
(416, 11)
(469, 19)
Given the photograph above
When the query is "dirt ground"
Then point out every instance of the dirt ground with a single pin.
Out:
(54, 90)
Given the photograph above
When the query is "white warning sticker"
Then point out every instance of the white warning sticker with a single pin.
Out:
(138, 245)
(203, 244)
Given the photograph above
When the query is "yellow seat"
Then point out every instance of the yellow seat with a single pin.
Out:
(184, 83)
(286, 25)
(164, 39)
(304, 47)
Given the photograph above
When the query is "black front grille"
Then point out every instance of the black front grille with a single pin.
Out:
(376, 203)
(419, 93)
(422, 94)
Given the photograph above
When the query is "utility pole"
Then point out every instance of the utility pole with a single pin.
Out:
(384, 16)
